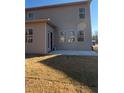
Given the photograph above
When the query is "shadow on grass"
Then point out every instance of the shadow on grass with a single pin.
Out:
(82, 69)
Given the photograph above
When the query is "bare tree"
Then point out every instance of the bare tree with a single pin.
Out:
(95, 36)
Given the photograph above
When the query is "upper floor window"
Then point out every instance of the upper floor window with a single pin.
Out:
(29, 36)
(82, 13)
(81, 36)
(30, 15)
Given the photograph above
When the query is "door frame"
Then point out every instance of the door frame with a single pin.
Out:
(51, 41)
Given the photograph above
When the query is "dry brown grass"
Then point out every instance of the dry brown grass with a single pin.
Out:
(61, 74)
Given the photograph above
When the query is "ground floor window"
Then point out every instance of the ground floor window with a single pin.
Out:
(29, 36)
(81, 36)
(71, 40)
(62, 36)
(62, 39)
(67, 37)
(71, 37)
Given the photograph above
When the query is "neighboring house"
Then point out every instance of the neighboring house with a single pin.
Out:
(58, 27)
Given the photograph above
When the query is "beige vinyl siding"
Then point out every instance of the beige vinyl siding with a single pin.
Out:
(67, 19)
(38, 44)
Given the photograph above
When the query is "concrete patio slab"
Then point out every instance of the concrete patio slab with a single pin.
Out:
(74, 52)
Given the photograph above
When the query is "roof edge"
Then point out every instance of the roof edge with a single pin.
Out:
(37, 20)
(58, 5)
(47, 20)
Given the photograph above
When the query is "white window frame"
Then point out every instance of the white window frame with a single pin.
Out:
(80, 36)
(62, 37)
(72, 33)
(81, 13)
(71, 40)
(71, 36)
(31, 16)
(29, 36)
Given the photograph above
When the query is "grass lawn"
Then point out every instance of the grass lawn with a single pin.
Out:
(61, 74)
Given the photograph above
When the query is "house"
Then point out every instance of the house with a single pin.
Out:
(58, 27)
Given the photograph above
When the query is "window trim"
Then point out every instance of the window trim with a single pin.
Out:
(70, 39)
(83, 14)
(29, 36)
(62, 36)
(30, 15)
(79, 36)
(72, 33)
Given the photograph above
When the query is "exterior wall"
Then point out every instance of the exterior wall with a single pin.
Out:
(38, 44)
(67, 19)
